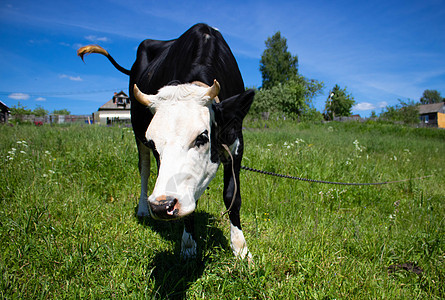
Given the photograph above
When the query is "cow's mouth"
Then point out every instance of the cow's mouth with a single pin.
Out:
(165, 208)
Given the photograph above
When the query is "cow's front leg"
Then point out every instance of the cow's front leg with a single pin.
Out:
(188, 244)
(144, 171)
(237, 240)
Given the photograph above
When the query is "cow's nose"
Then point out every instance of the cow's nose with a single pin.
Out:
(165, 207)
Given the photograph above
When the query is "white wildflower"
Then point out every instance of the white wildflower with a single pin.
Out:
(357, 146)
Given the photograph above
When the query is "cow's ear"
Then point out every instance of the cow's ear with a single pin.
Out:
(229, 115)
(235, 108)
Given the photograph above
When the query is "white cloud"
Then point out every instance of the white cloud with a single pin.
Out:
(72, 78)
(363, 106)
(383, 104)
(93, 38)
(40, 99)
(18, 96)
(78, 45)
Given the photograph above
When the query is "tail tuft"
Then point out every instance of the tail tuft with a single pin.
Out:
(91, 49)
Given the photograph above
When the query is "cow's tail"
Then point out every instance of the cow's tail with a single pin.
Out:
(98, 49)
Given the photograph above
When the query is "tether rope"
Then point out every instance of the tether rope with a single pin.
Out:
(328, 182)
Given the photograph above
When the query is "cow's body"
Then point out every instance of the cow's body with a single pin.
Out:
(199, 55)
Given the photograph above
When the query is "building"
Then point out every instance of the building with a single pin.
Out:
(4, 113)
(433, 115)
(117, 110)
(349, 118)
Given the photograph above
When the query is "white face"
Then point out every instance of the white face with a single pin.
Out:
(181, 130)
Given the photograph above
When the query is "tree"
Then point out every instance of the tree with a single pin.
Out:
(61, 112)
(431, 96)
(405, 111)
(277, 65)
(19, 111)
(284, 91)
(339, 103)
(39, 111)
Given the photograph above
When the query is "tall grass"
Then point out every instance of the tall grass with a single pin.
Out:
(68, 226)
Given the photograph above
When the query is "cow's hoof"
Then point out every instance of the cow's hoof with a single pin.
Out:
(188, 246)
(188, 253)
(143, 209)
(142, 213)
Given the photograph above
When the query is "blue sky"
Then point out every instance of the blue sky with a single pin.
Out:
(381, 51)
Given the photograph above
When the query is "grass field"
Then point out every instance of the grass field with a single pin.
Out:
(68, 227)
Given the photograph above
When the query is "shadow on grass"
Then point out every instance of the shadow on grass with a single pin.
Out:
(172, 275)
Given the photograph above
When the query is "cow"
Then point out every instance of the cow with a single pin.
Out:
(188, 102)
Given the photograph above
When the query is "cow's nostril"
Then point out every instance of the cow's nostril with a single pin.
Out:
(170, 207)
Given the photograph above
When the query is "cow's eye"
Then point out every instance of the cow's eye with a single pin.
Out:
(202, 139)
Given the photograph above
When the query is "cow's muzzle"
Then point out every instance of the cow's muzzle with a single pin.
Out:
(165, 207)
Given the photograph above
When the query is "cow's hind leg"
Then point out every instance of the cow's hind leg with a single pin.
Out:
(144, 171)
(237, 240)
(188, 244)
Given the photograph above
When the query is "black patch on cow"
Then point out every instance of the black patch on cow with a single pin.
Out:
(150, 144)
(174, 83)
(214, 153)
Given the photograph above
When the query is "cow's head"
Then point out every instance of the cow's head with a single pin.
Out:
(180, 135)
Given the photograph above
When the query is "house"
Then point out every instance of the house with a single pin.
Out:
(4, 113)
(433, 115)
(117, 110)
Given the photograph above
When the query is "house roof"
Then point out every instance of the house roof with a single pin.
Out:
(113, 105)
(110, 105)
(3, 106)
(122, 94)
(432, 108)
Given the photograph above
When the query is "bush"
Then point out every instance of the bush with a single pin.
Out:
(406, 112)
(292, 99)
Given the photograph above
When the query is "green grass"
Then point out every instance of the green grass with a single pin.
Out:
(68, 228)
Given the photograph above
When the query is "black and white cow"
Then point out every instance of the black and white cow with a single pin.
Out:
(187, 101)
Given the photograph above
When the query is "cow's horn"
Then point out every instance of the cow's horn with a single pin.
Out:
(213, 91)
(141, 97)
